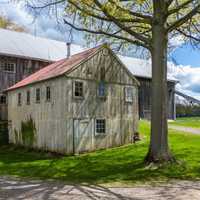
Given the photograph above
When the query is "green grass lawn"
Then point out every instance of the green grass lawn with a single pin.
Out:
(193, 122)
(123, 165)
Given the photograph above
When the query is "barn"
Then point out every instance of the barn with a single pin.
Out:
(82, 103)
(22, 54)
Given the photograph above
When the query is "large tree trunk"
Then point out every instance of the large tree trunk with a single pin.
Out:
(158, 150)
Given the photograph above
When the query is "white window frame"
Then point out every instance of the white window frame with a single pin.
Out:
(128, 94)
(5, 64)
(100, 133)
(74, 89)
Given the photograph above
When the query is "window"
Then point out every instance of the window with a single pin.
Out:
(101, 89)
(129, 94)
(102, 73)
(28, 97)
(100, 126)
(48, 93)
(2, 99)
(38, 95)
(78, 89)
(19, 99)
(8, 66)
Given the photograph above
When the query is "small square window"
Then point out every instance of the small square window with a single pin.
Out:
(3, 99)
(78, 89)
(38, 95)
(19, 99)
(8, 66)
(48, 93)
(28, 97)
(100, 126)
(101, 89)
(129, 94)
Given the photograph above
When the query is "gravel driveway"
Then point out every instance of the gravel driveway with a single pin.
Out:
(14, 189)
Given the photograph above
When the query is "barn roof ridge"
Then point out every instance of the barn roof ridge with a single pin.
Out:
(57, 68)
(66, 65)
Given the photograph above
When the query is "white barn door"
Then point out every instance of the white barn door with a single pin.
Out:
(83, 133)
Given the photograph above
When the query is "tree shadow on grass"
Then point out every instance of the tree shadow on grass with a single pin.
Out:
(123, 164)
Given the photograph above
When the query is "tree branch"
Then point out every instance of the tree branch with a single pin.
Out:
(101, 32)
(184, 19)
(179, 7)
(47, 5)
(188, 35)
(122, 26)
(147, 18)
(92, 14)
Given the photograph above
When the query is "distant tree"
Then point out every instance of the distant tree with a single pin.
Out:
(148, 24)
(8, 24)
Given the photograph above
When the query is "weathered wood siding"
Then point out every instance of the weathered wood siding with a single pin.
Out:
(145, 98)
(3, 133)
(54, 122)
(23, 68)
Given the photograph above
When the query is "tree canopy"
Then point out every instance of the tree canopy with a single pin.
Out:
(8, 24)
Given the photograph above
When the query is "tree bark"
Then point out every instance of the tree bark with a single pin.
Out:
(158, 149)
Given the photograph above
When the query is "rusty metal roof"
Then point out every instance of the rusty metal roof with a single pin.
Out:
(57, 69)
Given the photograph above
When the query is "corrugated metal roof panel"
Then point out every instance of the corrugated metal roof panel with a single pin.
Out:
(26, 45)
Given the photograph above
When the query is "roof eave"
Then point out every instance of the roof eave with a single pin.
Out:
(26, 57)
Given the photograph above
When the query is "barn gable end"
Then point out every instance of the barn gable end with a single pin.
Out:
(104, 60)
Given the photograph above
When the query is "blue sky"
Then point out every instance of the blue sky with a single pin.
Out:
(187, 58)
(187, 55)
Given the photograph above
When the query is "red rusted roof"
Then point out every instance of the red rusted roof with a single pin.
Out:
(56, 69)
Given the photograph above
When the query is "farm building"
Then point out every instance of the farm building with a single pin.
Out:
(22, 54)
(85, 102)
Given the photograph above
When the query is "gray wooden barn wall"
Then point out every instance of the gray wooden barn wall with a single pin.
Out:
(145, 99)
(54, 121)
(24, 67)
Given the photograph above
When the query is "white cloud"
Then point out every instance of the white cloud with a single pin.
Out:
(189, 79)
(42, 25)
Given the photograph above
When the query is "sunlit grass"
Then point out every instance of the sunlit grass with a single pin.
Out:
(122, 165)
(193, 122)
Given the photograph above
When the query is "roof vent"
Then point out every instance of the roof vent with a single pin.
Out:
(68, 49)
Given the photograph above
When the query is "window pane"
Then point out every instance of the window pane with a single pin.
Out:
(48, 93)
(2, 99)
(129, 94)
(102, 73)
(28, 97)
(102, 89)
(19, 99)
(38, 95)
(8, 66)
(100, 126)
(78, 91)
